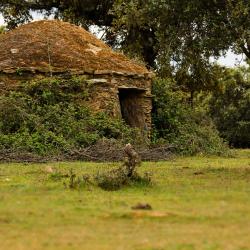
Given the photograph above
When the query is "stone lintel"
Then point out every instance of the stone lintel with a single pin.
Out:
(99, 80)
(131, 87)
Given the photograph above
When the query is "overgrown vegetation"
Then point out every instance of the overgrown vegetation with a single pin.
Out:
(126, 174)
(176, 122)
(2, 29)
(230, 107)
(50, 116)
(208, 120)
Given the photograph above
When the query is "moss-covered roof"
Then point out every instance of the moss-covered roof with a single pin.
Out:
(57, 46)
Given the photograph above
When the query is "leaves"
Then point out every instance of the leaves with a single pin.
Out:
(230, 107)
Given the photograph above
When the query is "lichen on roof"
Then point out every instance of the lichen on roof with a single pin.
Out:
(52, 45)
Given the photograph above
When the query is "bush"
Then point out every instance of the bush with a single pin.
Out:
(230, 108)
(188, 129)
(50, 116)
(113, 179)
(117, 178)
(2, 29)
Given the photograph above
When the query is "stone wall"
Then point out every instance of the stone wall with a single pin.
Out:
(103, 89)
(105, 95)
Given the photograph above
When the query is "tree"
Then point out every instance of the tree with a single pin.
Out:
(230, 107)
(2, 29)
(185, 29)
(81, 12)
(190, 131)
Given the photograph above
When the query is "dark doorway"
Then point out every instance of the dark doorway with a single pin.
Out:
(131, 100)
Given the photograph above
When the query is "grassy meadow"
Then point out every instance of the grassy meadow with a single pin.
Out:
(198, 203)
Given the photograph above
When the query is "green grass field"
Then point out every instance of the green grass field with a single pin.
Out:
(198, 203)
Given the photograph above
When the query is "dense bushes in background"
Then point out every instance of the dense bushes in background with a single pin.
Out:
(230, 108)
(50, 116)
(189, 129)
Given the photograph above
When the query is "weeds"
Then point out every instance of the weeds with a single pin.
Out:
(77, 182)
(111, 180)
(58, 176)
(124, 175)
(116, 178)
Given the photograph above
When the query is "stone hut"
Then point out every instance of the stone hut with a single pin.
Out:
(40, 49)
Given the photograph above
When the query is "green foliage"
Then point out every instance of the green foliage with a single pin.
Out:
(183, 32)
(2, 29)
(176, 38)
(50, 116)
(176, 122)
(77, 182)
(198, 76)
(117, 178)
(81, 12)
(230, 108)
(112, 180)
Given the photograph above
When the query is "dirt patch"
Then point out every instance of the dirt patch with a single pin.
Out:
(53, 45)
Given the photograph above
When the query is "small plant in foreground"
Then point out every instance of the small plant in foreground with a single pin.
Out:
(144, 180)
(124, 175)
(117, 178)
(77, 182)
(57, 176)
(114, 179)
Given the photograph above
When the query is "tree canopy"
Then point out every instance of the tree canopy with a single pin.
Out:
(84, 12)
(229, 107)
(185, 31)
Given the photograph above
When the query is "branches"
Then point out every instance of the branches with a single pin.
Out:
(79, 12)
(246, 50)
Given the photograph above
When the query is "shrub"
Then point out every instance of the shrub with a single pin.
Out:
(230, 108)
(77, 182)
(2, 29)
(188, 129)
(112, 180)
(125, 174)
(50, 116)
(117, 178)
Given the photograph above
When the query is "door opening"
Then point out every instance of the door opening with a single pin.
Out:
(131, 100)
